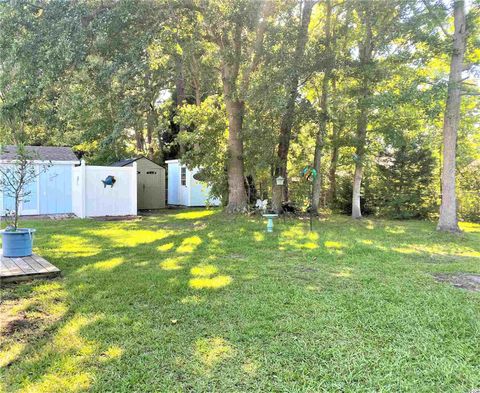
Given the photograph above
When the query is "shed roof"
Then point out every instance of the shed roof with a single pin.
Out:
(174, 161)
(42, 153)
(125, 162)
(129, 161)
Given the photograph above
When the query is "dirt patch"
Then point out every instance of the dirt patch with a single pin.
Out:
(18, 325)
(11, 323)
(470, 282)
(199, 226)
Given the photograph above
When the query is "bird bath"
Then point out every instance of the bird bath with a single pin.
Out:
(270, 217)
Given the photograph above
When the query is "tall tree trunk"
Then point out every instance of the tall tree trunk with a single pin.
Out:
(337, 127)
(365, 54)
(161, 151)
(448, 209)
(180, 92)
(332, 171)
(322, 123)
(362, 122)
(139, 140)
(279, 193)
(151, 121)
(237, 195)
(319, 143)
(197, 88)
(235, 87)
(150, 114)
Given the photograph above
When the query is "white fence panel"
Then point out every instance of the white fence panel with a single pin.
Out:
(91, 198)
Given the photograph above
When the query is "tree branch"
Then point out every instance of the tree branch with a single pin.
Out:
(430, 10)
(257, 50)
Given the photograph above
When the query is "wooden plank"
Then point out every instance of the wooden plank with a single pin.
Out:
(35, 265)
(11, 266)
(24, 277)
(47, 265)
(27, 269)
(4, 269)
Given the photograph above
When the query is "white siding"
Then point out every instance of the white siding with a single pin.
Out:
(194, 193)
(173, 183)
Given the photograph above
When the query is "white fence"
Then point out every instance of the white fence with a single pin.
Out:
(91, 198)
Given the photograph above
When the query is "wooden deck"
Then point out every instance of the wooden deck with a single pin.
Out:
(26, 268)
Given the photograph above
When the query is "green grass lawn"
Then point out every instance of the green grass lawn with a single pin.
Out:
(199, 301)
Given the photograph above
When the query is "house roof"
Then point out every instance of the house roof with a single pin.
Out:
(41, 153)
(128, 161)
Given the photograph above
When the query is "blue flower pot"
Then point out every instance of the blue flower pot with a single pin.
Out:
(17, 243)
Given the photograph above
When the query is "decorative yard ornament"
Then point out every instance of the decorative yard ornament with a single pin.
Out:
(200, 176)
(261, 204)
(270, 217)
(280, 180)
(309, 173)
(109, 181)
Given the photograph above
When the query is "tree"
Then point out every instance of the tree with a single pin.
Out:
(287, 118)
(238, 29)
(248, 89)
(323, 116)
(448, 221)
(15, 178)
(380, 23)
(397, 196)
(365, 49)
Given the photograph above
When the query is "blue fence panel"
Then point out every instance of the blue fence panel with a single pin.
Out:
(56, 190)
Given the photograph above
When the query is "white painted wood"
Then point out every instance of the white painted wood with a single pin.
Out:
(78, 190)
(193, 193)
(92, 199)
(133, 190)
(119, 200)
(33, 199)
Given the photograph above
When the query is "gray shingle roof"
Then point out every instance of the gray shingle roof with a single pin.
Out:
(126, 162)
(43, 153)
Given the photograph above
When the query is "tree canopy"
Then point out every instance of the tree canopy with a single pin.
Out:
(251, 90)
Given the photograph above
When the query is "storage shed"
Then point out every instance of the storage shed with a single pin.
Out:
(51, 192)
(184, 189)
(150, 182)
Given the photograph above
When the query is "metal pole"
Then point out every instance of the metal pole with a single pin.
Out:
(311, 210)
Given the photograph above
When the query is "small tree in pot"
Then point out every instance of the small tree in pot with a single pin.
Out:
(15, 176)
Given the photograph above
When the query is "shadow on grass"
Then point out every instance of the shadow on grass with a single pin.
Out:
(196, 295)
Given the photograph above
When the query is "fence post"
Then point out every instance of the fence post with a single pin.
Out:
(83, 182)
(133, 190)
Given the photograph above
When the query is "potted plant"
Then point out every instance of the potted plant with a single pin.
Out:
(15, 176)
